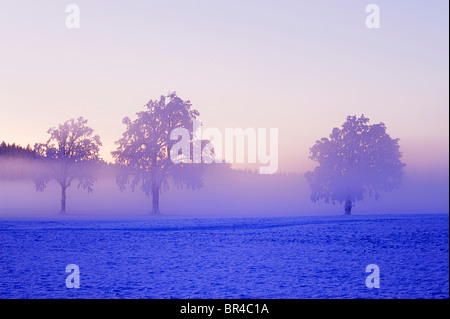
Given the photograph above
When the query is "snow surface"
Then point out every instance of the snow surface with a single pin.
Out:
(290, 257)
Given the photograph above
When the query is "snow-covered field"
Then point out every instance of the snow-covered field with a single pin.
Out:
(292, 257)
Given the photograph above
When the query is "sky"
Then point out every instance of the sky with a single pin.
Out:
(299, 66)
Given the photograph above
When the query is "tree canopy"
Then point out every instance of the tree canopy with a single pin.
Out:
(69, 148)
(356, 161)
(144, 148)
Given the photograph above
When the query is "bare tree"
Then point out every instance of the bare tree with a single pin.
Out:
(144, 149)
(356, 161)
(68, 153)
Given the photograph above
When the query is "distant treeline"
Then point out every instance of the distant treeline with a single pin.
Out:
(18, 163)
(17, 151)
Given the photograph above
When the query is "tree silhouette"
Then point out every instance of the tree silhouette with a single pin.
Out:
(356, 161)
(68, 152)
(144, 149)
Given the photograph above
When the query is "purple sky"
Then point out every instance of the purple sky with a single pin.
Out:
(300, 66)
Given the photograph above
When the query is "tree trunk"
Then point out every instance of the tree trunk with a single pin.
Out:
(63, 199)
(155, 200)
(348, 207)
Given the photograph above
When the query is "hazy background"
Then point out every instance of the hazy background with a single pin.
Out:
(299, 66)
(225, 193)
